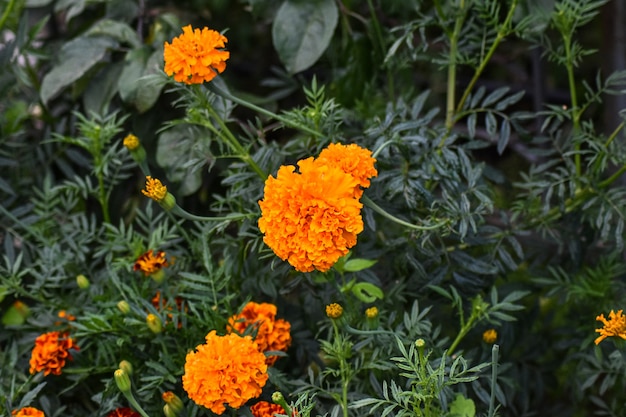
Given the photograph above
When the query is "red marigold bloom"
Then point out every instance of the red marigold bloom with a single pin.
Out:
(28, 412)
(310, 218)
(353, 160)
(151, 262)
(265, 409)
(194, 57)
(226, 369)
(123, 412)
(271, 333)
(50, 352)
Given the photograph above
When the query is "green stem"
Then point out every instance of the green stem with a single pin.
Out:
(502, 33)
(366, 200)
(614, 134)
(102, 197)
(569, 64)
(454, 43)
(464, 330)
(5, 15)
(227, 95)
(612, 178)
(131, 400)
(494, 376)
(381, 45)
(179, 211)
(345, 377)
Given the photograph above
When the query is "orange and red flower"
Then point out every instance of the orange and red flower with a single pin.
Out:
(123, 412)
(226, 370)
(50, 353)
(151, 262)
(271, 333)
(265, 409)
(195, 56)
(28, 412)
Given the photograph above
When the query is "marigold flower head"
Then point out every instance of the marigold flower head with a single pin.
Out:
(226, 369)
(266, 409)
(50, 353)
(131, 142)
(28, 412)
(271, 333)
(334, 310)
(311, 218)
(195, 56)
(353, 160)
(490, 336)
(123, 412)
(151, 262)
(65, 315)
(371, 313)
(155, 189)
(614, 326)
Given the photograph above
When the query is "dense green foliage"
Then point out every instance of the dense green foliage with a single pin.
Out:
(489, 210)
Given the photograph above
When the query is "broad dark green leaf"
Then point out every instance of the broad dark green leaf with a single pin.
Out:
(302, 31)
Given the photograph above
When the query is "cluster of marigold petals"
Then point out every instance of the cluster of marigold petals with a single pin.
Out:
(123, 412)
(150, 262)
(614, 326)
(311, 218)
(272, 334)
(226, 369)
(27, 412)
(195, 56)
(50, 353)
(266, 409)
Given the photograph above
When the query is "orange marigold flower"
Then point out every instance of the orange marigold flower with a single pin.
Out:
(131, 142)
(490, 336)
(123, 412)
(271, 333)
(265, 409)
(28, 412)
(614, 326)
(50, 352)
(353, 160)
(194, 56)
(155, 189)
(310, 218)
(334, 310)
(65, 315)
(226, 369)
(150, 262)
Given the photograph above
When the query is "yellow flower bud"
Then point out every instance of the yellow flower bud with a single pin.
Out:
(124, 307)
(82, 282)
(126, 367)
(154, 323)
(490, 336)
(168, 411)
(334, 310)
(420, 343)
(131, 142)
(371, 313)
(173, 401)
(122, 380)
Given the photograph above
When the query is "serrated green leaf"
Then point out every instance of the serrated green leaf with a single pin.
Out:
(302, 31)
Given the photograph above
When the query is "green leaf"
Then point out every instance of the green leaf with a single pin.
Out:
(134, 67)
(117, 30)
(75, 59)
(358, 264)
(367, 292)
(462, 407)
(149, 86)
(302, 31)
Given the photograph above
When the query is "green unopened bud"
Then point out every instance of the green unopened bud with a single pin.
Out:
(126, 367)
(168, 202)
(154, 323)
(82, 282)
(420, 343)
(173, 401)
(124, 307)
(279, 399)
(122, 380)
(169, 412)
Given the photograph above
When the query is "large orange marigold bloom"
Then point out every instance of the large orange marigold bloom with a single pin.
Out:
(226, 369)
(265, 409)
(271, 333)
(614, 326)
(310, 218)
(353, 160)
(50, 353)
(194, 57)
(28, 412)
(123, 412)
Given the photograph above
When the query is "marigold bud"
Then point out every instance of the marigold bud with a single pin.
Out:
(334, 310)
(168, 411)
(82, 282)
(124, 307)
(173, 401)
(490, 336)
(122, 380)
(371, 313)
(420, 343)
(126, 367)
(131, 142)
(154, 323)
